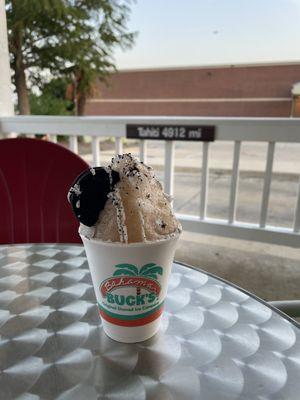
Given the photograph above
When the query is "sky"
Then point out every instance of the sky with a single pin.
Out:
(178, 33)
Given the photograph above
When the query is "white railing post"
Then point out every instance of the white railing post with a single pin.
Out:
(143, 151)
(204, 179)
(169, 167)
(96, 151)
(118, 146)
(267, 185)
(73, 144)
(297, 212)
(234, 181)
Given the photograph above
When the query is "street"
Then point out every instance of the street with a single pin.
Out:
(187, 186)
(281, 206)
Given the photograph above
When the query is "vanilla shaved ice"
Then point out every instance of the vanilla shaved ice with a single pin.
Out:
(137, 209)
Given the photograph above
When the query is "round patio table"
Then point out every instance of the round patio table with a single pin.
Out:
(216, 341)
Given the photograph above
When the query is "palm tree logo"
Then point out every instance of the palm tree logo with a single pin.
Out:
(150, 270)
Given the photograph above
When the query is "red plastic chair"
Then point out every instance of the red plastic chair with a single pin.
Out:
(35, 176)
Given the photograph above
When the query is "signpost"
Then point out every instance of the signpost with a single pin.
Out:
(203, 133)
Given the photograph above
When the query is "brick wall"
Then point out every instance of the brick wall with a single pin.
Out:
(260, 91)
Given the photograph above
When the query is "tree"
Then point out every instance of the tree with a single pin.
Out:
(148, 271)
(64, 38)
(52, 100)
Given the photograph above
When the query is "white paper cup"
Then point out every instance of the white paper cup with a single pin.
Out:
(130, 283)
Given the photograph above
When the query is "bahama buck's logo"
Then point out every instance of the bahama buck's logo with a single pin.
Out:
(131, 296)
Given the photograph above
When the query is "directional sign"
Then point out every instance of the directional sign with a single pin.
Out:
(203, 133)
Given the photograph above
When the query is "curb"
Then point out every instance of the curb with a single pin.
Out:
(224, 171)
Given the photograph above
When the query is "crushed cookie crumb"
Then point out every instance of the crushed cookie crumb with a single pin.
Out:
(76, 189)
(136, 175)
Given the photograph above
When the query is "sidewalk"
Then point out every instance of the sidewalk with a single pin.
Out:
(188, 157)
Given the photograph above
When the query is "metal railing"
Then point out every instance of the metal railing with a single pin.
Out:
(237, 130)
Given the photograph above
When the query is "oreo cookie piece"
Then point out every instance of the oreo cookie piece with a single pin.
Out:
(88, 193)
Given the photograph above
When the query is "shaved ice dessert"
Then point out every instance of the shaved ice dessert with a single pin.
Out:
(130, 233)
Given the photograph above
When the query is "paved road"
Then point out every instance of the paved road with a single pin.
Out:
(282, 199)
(252, 164)
(188, 156)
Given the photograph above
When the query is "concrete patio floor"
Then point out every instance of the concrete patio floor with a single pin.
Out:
(271, 272)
